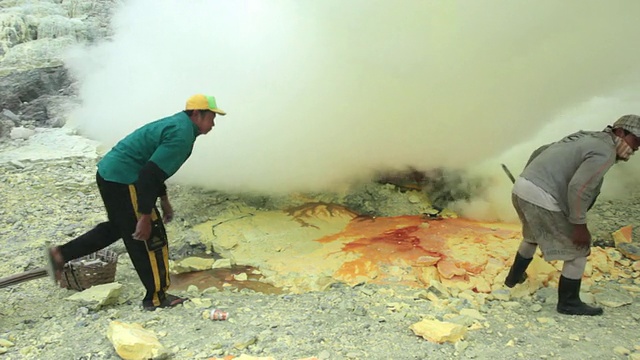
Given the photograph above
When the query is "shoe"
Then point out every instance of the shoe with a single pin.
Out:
(168, 302)
(569, 302)
(517, 274)
(55, 264)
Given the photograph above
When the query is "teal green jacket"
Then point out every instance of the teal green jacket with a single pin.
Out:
(150, 155)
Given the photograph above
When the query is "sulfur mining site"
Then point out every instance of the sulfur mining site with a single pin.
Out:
(354, 203)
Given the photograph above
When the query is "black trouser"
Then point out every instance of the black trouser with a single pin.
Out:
(121, 203)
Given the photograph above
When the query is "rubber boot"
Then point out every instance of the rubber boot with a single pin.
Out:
(517, 273)
(569, 302)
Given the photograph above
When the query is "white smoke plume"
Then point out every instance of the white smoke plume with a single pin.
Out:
(323, 92)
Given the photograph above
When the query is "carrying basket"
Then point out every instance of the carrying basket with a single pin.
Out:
(87, 271)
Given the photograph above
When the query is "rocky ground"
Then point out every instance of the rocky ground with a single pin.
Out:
(53, 200)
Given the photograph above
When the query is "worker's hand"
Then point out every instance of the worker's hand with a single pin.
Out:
(143, 228)
(167, 210)
(581, 237)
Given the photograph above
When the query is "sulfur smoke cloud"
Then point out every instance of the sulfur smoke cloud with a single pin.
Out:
(323, 92)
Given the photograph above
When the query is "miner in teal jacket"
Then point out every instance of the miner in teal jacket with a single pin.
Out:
(130, 179)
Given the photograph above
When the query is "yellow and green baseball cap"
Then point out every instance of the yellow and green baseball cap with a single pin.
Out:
(203, 102)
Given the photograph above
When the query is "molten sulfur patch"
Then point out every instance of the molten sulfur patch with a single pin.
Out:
(399, 249)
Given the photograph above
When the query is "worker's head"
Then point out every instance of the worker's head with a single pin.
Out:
(627, 136)
(202, 110)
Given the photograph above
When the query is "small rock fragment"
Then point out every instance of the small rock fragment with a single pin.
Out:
(133, 342)
(439, 331)
(621, 350)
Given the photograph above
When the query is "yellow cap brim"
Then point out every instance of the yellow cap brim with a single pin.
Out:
(219, 112)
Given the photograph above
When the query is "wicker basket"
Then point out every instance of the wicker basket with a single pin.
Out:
(87, 271)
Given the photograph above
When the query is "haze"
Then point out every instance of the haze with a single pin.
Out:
(319, 93)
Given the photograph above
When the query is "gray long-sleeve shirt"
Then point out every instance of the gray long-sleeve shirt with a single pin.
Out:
(572, 170)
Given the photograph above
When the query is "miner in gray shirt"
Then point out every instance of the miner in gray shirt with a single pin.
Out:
(559, 184)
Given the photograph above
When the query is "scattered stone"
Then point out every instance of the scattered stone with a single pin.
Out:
(630, 250)
(210, 290)
(198, 303)
(21, 133)
(18, 164)
(501, 294)
(438, 289)
(6, 343)
(193, 290)
(621, 350)
(439, 331)
(99, 295)
(461, 346)
(612, 296)
(463, 320)
(244, 343)
(448, 269)
(510, 305)
(240, 277)
(622, 235)
(474, 299)
(540, 269)
(360, 310)
(9, 114)
(546, 320)
(221, 263)
(547, 295)
(392, 306)
(522, 291)
(192, 264)
(614, 254)
(472, 313)
(510, 343)
(368, 291)
(133, 342)
(631, 288)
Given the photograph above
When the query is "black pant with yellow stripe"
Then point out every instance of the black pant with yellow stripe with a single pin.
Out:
(120, 201)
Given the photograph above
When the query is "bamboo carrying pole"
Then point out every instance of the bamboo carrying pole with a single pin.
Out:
(22, 277)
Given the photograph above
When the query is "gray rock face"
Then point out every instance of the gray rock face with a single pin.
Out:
(29, 94)
(34, 36)
(5, 127)
(35, 54)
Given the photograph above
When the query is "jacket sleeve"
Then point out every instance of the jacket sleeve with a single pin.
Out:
(150, 182)
(585, 184)
(174, 149)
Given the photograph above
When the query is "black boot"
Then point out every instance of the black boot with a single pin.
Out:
(569, 302)
(517, 273)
